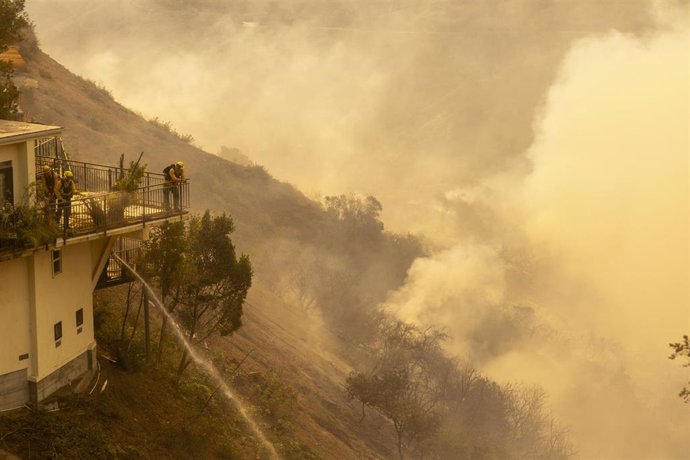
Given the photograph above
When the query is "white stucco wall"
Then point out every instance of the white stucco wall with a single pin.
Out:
(15, 327)
(57, 298)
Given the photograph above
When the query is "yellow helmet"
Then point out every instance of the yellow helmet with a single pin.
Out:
(46, 168)
(69, 174)
(180, 164)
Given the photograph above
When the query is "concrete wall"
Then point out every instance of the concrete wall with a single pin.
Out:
(57, 298)
(69, 372)
(14, 391)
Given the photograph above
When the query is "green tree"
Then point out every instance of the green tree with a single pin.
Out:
(682, 350)
(12, 20)
(216, 281)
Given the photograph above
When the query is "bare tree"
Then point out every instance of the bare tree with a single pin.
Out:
(682, 350)
(403, 384)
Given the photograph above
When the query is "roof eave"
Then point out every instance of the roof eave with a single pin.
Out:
(30, 135)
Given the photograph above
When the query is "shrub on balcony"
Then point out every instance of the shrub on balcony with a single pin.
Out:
(25, 225)
(132, 180)
(116, 202)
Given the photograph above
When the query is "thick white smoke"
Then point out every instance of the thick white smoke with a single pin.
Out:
(583, 284)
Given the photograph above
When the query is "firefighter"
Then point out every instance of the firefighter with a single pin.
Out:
(49, 180)
(174, 176)
(65, 190)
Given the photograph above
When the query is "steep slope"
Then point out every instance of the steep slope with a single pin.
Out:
(283, 339)
(315, 363)
(98, 129)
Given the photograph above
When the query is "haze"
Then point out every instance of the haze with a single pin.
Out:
(540, 147)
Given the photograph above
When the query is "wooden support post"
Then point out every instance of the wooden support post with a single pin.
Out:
(147, 326)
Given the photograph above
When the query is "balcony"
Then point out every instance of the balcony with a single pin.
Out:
(98, 209)
(113, 274)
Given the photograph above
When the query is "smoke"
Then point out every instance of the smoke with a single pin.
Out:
(561, 245)
(400, 99)
(583, 284)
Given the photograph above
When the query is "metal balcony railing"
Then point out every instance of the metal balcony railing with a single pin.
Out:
(97, 207)
(91, 213)
(129, 250)
(93, 177)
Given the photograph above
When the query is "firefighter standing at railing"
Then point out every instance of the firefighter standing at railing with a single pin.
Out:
(65, 190)
(174, 176)
(49, 181)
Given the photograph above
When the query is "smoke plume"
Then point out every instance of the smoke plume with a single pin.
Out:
(583, 283)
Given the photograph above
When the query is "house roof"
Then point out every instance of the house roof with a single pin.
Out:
(13, 131)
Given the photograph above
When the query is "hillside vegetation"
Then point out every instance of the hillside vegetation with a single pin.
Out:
(288, 238)
(315, 349)
(286, 234)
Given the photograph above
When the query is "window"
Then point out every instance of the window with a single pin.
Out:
(6, 183)
(58, 333)
(57, 262)
(80, 320)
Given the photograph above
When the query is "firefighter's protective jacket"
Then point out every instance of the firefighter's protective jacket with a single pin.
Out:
(65, 189)
(49, 181)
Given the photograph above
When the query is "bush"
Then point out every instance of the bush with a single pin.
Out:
(25, 225)
(168, 128)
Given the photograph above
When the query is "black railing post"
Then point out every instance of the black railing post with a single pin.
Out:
(105, 214)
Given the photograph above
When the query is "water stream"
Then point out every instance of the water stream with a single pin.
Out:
(207, 366)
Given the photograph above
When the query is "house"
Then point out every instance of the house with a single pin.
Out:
(46, 302)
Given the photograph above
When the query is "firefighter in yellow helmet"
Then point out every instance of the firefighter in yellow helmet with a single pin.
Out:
(174, 176)
(65, 190)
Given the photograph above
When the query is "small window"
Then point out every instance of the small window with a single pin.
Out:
(80, 319)
(57, 262)
(58, 333)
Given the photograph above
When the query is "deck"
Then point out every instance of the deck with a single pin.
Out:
(97, 210)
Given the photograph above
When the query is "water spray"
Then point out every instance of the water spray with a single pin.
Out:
(206, 364)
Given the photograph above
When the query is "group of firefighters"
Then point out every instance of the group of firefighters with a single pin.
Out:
(58, 191)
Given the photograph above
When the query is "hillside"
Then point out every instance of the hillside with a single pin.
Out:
(270, 217)
(285, 233)
(143, 413)
(99, 130)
